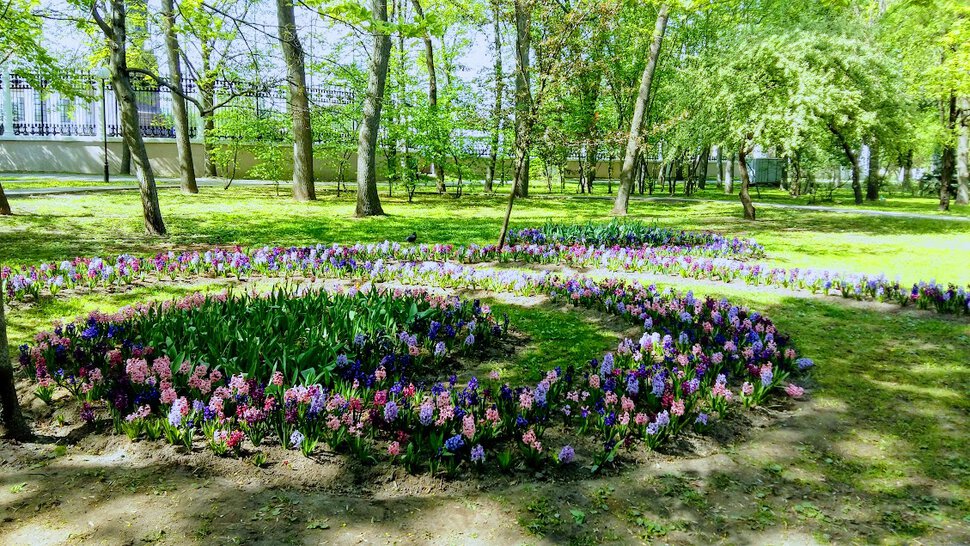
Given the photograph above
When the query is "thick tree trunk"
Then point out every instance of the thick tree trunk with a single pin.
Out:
(701, 168)
(873, 179)
(13, 419)
(853, 158)
(499, 89)
(125, 93)
(4, 204)
(303, 189)
(745, 183)
(437, 166)
(125, 166)
(368, 202)
(622, 202)
(856, 181)
(963, 156)
(523, 98)
(182, 140)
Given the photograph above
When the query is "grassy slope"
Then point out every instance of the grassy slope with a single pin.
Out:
(891, 385)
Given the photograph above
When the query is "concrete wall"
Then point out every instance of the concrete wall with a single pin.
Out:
(85, 156)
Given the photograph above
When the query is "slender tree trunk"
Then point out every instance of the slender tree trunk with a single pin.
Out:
(523, 98)
(13, 419)
(963, 156)
(207, 95)
(437, 166)
(499, 89)
(4, 204)
(720, 167)
(948, 160)
(125, 93)
(303, 189)
(729, 175)
(182, 140)
(622, 202)
(368, 202)
(873, 180)
(908, 171)
(745, 183)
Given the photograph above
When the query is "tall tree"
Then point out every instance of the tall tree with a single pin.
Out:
(523, 96)
(496, 121)
(115, 33)
(622, 202)
(368, 201)
(179, 110)
(933, 39)
(437, 166)
(299, 103)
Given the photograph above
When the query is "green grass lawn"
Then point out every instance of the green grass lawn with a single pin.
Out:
(59, 227)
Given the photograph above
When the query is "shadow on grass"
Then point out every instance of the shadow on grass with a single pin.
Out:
(56, 227)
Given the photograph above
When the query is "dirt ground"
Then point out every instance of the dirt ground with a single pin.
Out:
(96, 488)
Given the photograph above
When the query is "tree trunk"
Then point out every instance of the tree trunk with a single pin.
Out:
(853, 158)
(523, 98)
(908, 171)
(299, 104)
(745, 183)
(437, 166)
(499, 89)
(368, 202)
(125, 93)
(719, 159)
(622, 202)
(125, 166)
(963, 151)
(591, 159)
(729, 175)
(207, 94)
(13, 419)
(701, 171)
(873, 179)
(948, 159)
(4, 204)
(182, 140)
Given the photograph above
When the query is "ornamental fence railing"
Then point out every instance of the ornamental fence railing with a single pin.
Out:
(38, 110)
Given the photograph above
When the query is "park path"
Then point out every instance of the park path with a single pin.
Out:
(815, 208)
(118, 183)
(132, 184)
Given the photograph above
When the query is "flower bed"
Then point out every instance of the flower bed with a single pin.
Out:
(695, 362)
(631, 233)
(700, 256)
(306, 336)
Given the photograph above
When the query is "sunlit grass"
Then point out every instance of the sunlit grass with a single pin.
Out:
(63, 226)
